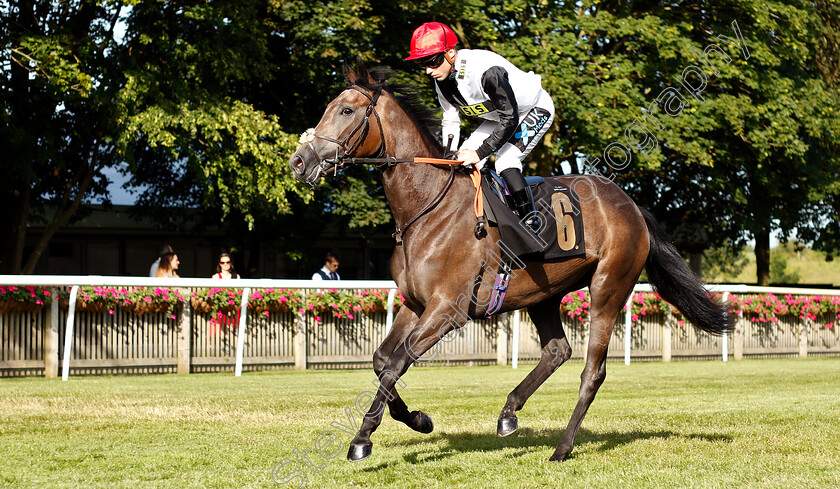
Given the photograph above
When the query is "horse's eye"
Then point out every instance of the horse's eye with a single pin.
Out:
(347, 111)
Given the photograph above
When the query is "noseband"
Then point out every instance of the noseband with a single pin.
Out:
(360, 133)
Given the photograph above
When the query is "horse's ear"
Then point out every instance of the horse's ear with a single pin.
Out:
(362, 70)
(349, 74)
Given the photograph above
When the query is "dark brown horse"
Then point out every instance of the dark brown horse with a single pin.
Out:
(441, 265)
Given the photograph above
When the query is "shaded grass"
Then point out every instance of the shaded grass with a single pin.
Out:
(763, 423)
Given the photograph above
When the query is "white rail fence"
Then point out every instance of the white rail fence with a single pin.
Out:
(123, 342)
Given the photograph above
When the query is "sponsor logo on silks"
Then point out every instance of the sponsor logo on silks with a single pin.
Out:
(477, 109)
(525, 133)
(462, 71)
(531, 125)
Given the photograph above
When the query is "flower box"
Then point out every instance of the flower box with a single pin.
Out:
(272, 306)
(18, 306)
(201, 305)
(143, 307)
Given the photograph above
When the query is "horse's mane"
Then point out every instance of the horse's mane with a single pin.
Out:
(406, 96)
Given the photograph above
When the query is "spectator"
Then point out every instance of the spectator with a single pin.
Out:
(161, 251)
(168, 265)
(328, 271)
(225, 267)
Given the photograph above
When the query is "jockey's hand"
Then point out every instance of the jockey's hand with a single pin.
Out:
(469, 157)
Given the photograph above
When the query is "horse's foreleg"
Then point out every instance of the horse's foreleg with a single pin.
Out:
(433, 325)
(416, 420)
(555, 351)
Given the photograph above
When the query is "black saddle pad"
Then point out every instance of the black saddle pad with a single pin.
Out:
(561, 232)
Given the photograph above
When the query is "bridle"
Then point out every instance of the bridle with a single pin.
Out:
(360, 132)
(380, 159)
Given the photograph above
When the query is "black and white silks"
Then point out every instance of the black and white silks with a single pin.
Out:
(516, 109)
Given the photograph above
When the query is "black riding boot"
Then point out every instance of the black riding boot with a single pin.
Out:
(523, 200)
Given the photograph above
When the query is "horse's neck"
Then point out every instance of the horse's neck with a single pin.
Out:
(410, 187)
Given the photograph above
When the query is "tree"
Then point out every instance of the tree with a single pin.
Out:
(79, 98)
(57, 127)
(728, 123)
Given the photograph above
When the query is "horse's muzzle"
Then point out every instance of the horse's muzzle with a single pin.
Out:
(308, 172)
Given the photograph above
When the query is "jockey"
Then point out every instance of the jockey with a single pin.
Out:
(516, 110)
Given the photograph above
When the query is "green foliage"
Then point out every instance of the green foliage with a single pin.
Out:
(204, 100)
(781, 272)
(724, 264)
(355, 201)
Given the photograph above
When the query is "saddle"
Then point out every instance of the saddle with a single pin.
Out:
(561, 231)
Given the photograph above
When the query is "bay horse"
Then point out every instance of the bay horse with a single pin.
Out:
(440, 261)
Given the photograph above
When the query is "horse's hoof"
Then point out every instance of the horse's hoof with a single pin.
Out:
(507, 426)
(357, 453)
(422, 422)
(559, 455)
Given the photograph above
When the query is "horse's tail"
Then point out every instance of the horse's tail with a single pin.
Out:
(676, 283)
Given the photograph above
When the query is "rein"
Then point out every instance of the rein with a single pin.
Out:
(382, 160)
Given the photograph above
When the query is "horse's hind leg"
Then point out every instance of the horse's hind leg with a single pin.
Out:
(606, 303)
(555, 351)
(403, 322)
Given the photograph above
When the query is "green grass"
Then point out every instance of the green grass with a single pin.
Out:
(762, 423)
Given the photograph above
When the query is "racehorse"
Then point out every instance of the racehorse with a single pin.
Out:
(440, 260)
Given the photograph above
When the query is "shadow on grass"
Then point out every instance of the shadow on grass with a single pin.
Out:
(528, 440)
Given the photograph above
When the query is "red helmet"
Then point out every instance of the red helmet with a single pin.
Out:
(431, 38)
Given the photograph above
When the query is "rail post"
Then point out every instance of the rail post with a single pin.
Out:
(50, 347)
(185, 338)
(667, 328)
(68, 333)
(240, 338)
(502, 339)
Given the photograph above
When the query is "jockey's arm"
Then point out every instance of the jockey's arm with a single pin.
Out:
(495, 84)
(450, 123)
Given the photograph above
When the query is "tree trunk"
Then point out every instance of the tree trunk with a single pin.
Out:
(15, 205)
(69, 204)
(695, 262)
(762, 257)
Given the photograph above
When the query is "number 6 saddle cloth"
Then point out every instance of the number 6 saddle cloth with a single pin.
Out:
(560, 234)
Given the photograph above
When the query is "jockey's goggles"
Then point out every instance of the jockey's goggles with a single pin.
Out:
(433, 61)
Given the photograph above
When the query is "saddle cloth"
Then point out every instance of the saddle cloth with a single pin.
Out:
(561, 230)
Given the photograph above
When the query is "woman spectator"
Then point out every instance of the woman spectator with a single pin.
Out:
(225, 267)
(168, 265)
